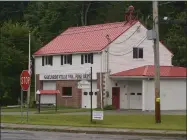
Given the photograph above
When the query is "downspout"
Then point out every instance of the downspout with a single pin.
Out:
(101, 88)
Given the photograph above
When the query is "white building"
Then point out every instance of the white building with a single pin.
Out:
(122, 50)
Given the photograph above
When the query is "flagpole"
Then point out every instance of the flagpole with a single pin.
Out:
(29, 68)
(28, 92)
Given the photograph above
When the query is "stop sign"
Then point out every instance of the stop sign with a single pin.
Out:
(25, 80)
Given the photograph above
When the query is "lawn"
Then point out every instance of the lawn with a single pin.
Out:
(16, 109)
(169, 122)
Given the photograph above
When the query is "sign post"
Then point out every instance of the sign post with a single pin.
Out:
(25, 81)
(21, 105)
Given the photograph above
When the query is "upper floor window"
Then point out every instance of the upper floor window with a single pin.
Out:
(66, 59)
(137, 52)
(87, 58)
(47, 60)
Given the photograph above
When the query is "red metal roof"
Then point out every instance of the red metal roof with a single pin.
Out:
(84, 38)
(165, 71)
(49, 91)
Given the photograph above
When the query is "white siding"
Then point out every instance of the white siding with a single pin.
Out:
(123, 45)
(48, 99)
(49, 85)
(172, 94)
(76, 66)
(126, 87)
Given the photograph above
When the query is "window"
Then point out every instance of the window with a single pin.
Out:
(85, 93)
(90, 93)
(66, 91)
(47, 60)
(95, 93)
(132, 93)
(139, 93)
(66, 59)
(87, 58)
(137, 52)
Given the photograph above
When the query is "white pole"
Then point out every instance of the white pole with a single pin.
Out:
(101, 89)
(29, 65)
(28, 92)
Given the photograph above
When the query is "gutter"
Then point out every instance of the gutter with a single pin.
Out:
(57, 54)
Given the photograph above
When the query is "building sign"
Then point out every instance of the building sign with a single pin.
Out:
(97, 115)
(64, 76)
(83, 84)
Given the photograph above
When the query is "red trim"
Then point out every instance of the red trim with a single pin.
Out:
(148, 70)
(49, 91)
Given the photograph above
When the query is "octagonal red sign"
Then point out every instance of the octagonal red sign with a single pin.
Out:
(25, 80)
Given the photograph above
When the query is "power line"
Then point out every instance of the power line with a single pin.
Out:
(131, 50)
(120, 54)
(129, 36)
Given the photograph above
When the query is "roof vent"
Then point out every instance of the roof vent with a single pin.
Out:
(108, 38)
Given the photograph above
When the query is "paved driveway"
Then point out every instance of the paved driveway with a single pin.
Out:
(128, 112)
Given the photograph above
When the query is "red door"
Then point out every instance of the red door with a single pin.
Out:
(115, 97)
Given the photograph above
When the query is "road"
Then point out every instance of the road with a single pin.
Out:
(39, 135)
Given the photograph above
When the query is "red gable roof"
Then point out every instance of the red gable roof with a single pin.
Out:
(85, 38)
(165, 71)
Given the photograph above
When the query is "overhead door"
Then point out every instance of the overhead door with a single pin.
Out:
(86, 99)
(135, 100)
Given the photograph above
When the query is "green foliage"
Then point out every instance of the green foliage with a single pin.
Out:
(109, 107)
(177, 40)
(14, 56)
(6, 99)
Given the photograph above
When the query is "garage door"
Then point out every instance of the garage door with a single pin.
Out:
(135, 100)
(86, 99)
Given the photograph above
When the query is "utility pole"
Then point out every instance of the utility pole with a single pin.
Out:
(156, 61)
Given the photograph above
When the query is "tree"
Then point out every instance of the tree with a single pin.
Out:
(14, 56)
(177, 41)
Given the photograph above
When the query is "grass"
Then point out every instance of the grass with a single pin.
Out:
(48, 110)
(16, 109)
(169, 122)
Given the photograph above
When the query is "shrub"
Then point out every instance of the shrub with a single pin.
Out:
(109, 107)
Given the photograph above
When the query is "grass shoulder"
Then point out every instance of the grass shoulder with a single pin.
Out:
(169, 122)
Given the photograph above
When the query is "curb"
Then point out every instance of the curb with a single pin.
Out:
(130, 132)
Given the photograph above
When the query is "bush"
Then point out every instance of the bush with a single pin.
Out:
(6, 100)
(32, 103)
(109, 107)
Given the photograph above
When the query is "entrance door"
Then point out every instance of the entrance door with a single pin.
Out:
(116, 97)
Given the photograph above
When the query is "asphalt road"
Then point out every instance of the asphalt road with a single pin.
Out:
(38, 135)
